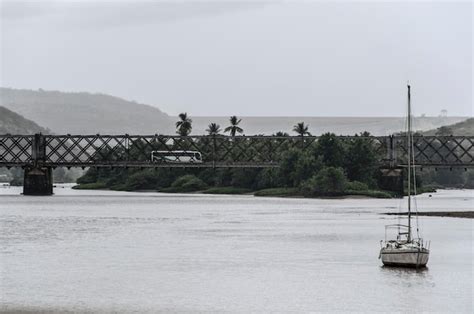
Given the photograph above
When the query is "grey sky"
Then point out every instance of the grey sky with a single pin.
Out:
(267, 58)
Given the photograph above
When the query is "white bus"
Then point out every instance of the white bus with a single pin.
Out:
(176, 156)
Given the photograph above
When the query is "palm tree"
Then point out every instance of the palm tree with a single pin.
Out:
(184, 125)
(301, 129)
(234, 128)
(213, 129)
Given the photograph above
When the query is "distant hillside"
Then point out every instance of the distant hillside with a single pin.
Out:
(13, 123)
(465, 127)
(319, 125)
(85, 113)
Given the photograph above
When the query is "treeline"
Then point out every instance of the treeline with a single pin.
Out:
(328, 167)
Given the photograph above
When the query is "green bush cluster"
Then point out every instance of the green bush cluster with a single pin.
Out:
(226, 190)
(330, 181)
(188, 183)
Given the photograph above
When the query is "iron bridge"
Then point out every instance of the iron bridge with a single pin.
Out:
(216, 151)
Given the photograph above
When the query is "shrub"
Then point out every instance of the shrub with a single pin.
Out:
(90, 176)
(226, 190)
(188, 183)
(356, 186)
(370, 193)
(141, 180)
(278, 192)
(90, 186)
(329, 181)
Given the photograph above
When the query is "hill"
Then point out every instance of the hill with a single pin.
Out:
(13, 123)
(465, 128)
(85, 113)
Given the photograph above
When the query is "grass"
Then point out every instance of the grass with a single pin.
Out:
(226, 190)
(288, 192)
(90, 186)
(278, 192)
(177, 189)
(370, 193)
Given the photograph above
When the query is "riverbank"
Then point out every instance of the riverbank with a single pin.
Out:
(458, 214)
(272, 192)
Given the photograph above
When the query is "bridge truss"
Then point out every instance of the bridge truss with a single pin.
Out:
(217, 151)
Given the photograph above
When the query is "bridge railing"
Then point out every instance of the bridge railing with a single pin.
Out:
(217, 151)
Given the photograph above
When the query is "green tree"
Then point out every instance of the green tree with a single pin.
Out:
(269, 178)
(331, 149)
(444, 131)
(297, 166)
(306, 166)
(244, 177)
(234, 128)
(301, 129)
(361, 160)
(213, 129)
(184, 124)
(288, 163)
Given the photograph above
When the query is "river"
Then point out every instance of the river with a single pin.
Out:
(104, 251)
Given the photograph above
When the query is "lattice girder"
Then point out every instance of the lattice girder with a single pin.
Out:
(239, 151)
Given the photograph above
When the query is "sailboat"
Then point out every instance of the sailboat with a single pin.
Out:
(406, 250)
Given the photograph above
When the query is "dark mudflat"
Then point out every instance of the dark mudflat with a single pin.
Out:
(467, 214)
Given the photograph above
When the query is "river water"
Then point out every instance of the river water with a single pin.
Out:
(103, 251)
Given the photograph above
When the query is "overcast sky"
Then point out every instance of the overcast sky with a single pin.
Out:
(266, 58)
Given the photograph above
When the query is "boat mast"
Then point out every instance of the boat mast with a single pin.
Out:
(409, 164)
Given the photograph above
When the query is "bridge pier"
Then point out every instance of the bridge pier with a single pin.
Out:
(391, 179)
(38, 181)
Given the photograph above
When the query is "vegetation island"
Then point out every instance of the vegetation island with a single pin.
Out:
(329, 168)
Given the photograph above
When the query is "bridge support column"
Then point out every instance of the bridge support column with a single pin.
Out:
(391, 179)
(38, 181)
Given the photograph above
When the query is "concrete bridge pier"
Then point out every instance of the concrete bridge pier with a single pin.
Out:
(38, 181)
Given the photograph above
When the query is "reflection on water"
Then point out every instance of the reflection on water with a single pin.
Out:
(410, 280)
(148, 252)
(410, 275)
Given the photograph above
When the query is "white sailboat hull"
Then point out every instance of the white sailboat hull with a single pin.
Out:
(405, 257)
